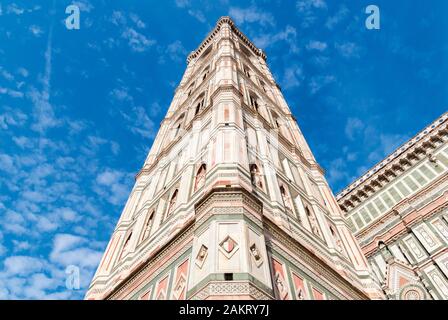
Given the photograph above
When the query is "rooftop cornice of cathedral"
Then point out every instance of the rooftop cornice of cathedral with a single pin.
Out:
(395, 160)
(208, 39)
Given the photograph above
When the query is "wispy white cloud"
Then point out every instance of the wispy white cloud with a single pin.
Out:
(305, 5)
(111, 185)
(138, 22)
(12, 93)
(35, 30)
(320, 60)
(353, 127)
(194, 12)
(43, 111)
(6, 74)
(386, 144)
(84, 5)
(348, 49)
(182, 3)
(137, 41)
(336, 171)
(70, 249)
(118, 18)
(317, 82)
(292, 77)
(198, 14)
(14, 8)
(176, 51)
(373, 146)
(3, 249)
(12, 117)
(316, 45)
(251, 14)
(121, 94)
(340, 15)
(139, 122)
(22, 265)
(23, 72)
(27, 277)
(308, 10)
(289, 35)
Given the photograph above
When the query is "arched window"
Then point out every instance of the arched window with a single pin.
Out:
(125, 249)
(337, 240)
(200, 177)
(263, 85)
(275, 118)
(176, 132)
(177, 126)
(256, 176)
(308, 213)
(253, 102)
(148, 225)
(313, 222)
(199, 104)
(205, 73)
(285, 197)
(190, 89)
(246, 71)
(172, 204)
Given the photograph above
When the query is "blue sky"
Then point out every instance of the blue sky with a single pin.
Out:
(79, 108)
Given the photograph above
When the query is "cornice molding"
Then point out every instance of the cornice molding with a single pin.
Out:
(222, 21)
(394, 164)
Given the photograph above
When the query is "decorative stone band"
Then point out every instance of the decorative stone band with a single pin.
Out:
(230, 195)
(233, 289)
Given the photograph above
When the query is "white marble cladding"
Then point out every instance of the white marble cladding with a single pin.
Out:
(229, 126)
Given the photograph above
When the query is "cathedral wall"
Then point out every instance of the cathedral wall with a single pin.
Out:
(399, 216)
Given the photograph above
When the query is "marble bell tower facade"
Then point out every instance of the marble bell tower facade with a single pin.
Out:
(230, 202)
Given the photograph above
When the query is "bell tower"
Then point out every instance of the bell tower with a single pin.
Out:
(230, 202)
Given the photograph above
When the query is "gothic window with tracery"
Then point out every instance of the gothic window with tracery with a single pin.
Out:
(285, 197)
(177, 126)
(125, 249)
(263, 85)
(253, 102)
(199, 104)
(246, 71)
(190, 89)
(176, 132)
(205, 73)
(276, 120)
(256, 176)
(172, 203)
(200, 177)
(313, 222)
(148, 225)
(337, 240)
